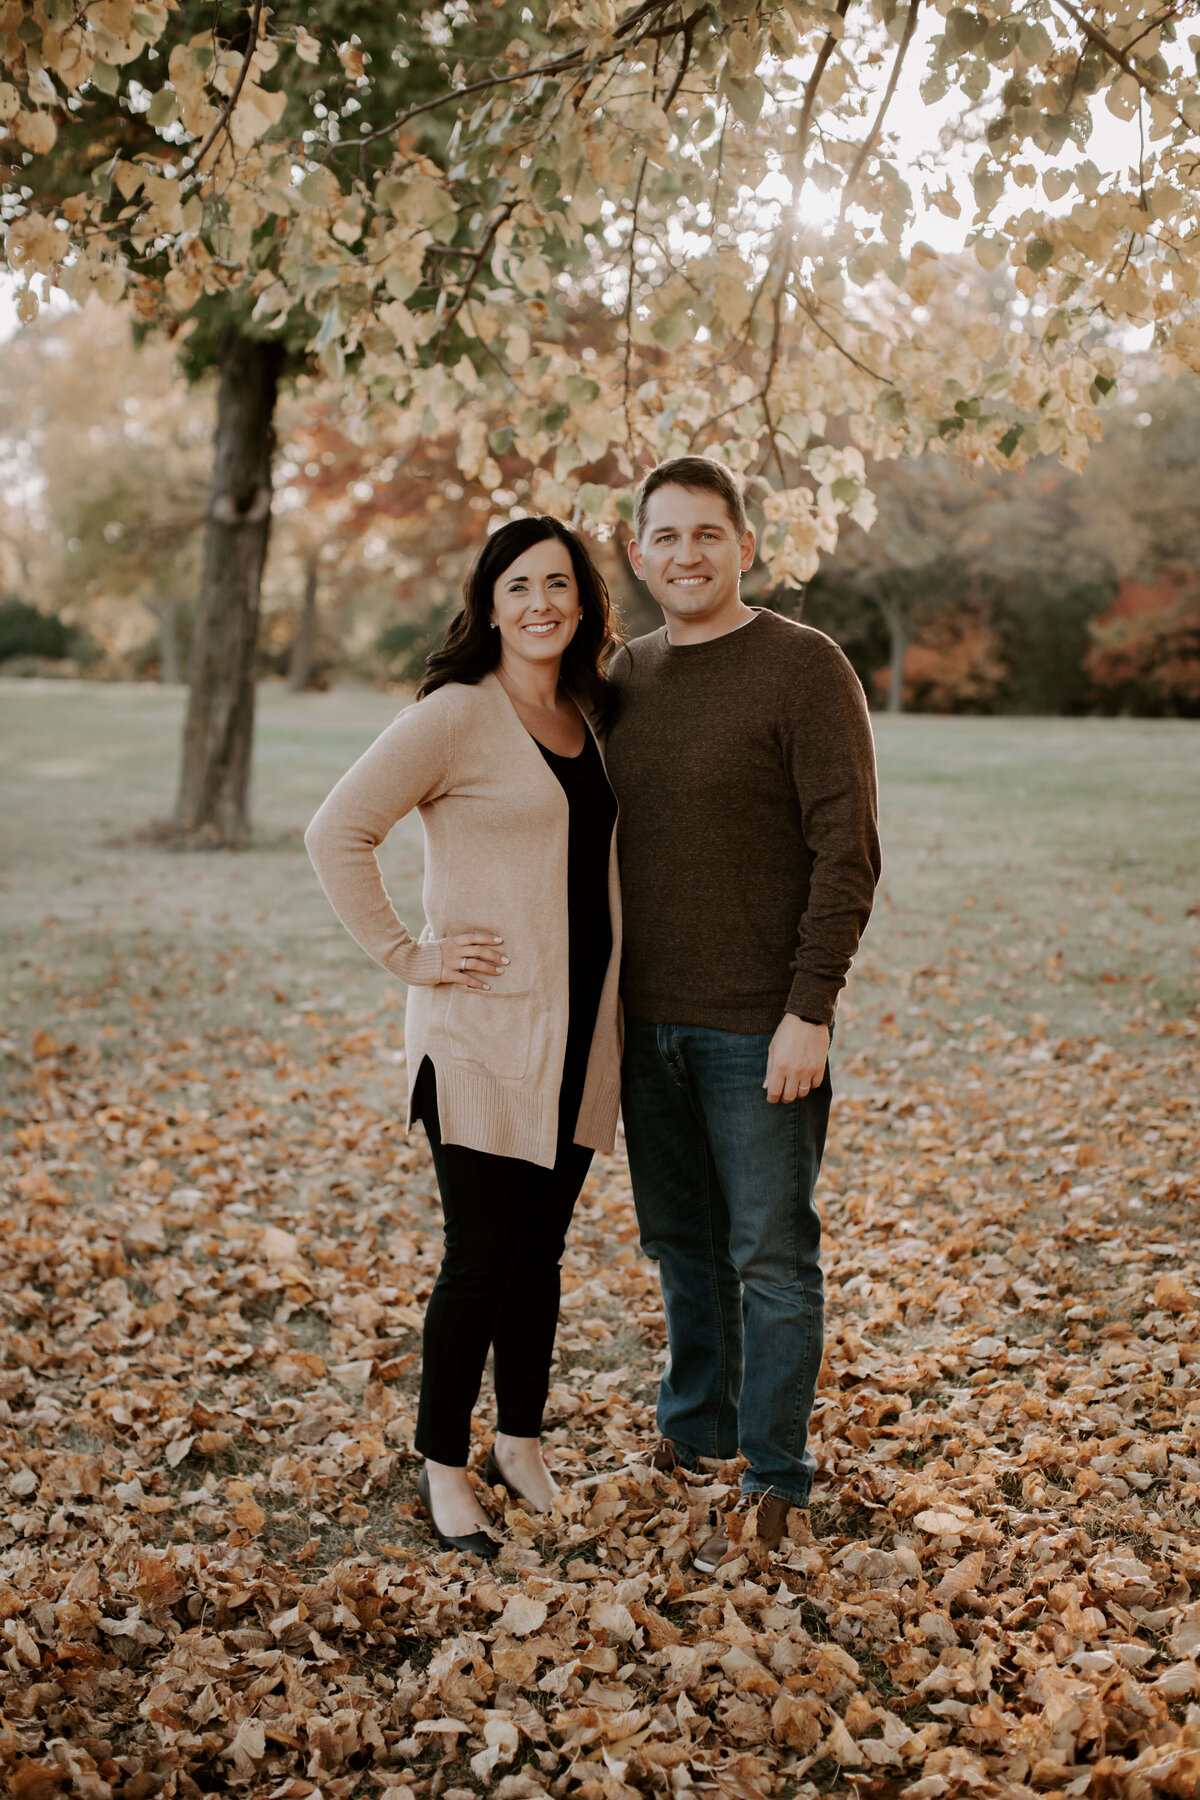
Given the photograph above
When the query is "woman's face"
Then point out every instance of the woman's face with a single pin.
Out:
(535, 603)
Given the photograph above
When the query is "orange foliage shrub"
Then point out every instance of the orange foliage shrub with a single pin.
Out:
(1145, 650)
(954, 665)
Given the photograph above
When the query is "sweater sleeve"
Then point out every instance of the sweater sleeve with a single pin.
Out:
(831, 755)
(619, 665)
(408, 764)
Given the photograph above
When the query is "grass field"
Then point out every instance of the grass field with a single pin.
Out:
(1032, 866)
(216, 1246)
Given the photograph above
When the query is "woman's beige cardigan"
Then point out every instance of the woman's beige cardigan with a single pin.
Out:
(495, 821)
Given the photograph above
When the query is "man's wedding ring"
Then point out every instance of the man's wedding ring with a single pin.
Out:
(462, 967)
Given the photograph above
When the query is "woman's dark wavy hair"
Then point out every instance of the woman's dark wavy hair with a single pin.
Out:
(471, 648)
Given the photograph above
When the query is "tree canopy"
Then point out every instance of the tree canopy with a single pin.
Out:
(650, 170)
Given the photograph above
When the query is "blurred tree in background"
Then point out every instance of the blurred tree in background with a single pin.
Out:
(113, 451)
(199, 262)
(1033, 592)
(107, 449)
(1145, 650)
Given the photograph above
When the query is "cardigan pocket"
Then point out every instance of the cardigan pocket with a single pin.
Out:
(492, 1030)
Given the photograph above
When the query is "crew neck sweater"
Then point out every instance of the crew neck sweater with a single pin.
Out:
(744, 768)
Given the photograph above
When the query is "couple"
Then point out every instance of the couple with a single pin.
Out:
(738, 747)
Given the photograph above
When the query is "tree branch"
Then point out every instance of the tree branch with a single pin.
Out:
(773, 358)
(556, 66)
(872, 137)
(715, 418)
(1121, 57)
(644, 11)
(828, 46)
(763, 393)
(473, 87)
(740, 343)
(477, 262)
(1111, 50)
(227, 110)
(1155, 24)
(684, 60)
(633, 229)
(806, 306)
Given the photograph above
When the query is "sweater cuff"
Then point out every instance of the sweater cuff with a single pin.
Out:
(420, 965)
(811, 1000)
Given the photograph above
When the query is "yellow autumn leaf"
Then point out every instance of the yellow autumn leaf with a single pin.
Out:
(250, 1515)
(36, 131)
(963, 1578)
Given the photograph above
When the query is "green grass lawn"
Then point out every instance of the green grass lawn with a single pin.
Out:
(1038, 865)
(1032, 867)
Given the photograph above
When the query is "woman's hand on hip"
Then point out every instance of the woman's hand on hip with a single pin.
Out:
(473, 959)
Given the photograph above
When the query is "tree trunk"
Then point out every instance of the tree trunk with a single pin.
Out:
(897, 625)
(170, 668)
(214, 784)
(304, 647)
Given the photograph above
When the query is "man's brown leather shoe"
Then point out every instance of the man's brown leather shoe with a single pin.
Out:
(768, 1534)
(665, 1458)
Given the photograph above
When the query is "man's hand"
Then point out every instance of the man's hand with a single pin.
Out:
(796, 1059)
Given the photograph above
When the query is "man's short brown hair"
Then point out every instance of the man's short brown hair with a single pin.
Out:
(699, 474)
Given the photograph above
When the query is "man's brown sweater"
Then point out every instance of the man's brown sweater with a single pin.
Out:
(749, 848)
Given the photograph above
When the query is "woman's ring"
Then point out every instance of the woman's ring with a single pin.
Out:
(462, 967)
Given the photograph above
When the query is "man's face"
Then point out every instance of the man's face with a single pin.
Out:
(690, 554)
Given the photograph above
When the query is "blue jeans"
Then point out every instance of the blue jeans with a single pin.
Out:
(723, 1185)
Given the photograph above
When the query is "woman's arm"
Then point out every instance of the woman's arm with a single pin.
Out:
(408, 764)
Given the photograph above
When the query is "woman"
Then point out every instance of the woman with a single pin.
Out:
(511, 1029)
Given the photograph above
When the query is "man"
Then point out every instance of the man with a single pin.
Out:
(744, 766)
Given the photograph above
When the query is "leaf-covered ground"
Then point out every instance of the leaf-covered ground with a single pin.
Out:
(214, 1256)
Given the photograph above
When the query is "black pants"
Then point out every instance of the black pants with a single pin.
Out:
(505, 1224)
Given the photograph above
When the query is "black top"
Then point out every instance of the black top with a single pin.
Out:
(593, 813)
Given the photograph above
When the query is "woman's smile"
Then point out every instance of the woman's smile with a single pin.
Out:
(536, 601)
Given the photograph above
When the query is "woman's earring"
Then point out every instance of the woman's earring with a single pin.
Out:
(495, 627)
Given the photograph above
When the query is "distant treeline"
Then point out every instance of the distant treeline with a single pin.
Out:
(1031, 646)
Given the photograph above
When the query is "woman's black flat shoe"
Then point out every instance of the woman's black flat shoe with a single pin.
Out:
(476, 1543)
